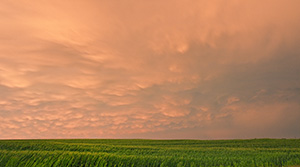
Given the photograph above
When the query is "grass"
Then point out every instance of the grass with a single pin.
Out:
(160, 153)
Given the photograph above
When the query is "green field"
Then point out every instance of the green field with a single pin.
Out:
(90, 152)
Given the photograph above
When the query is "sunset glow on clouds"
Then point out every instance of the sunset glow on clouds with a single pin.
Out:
(149, 69)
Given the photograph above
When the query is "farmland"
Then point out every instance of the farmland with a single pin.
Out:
(125, 152)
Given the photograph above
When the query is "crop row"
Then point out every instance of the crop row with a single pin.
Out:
(52, 153)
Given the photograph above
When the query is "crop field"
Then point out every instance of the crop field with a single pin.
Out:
(139, 153)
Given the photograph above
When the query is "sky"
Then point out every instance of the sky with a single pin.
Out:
(172, 69)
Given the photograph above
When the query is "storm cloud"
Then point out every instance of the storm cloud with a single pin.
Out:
(149, 69)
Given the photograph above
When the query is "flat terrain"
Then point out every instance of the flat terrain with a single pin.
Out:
(90, 152)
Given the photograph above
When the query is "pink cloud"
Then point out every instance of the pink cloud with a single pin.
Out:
(126, 69)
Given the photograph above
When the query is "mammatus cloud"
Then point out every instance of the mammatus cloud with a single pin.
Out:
(171, 69)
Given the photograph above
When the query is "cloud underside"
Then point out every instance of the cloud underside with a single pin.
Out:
(191, 69)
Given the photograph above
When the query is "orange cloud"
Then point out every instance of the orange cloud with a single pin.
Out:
(149, 69)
